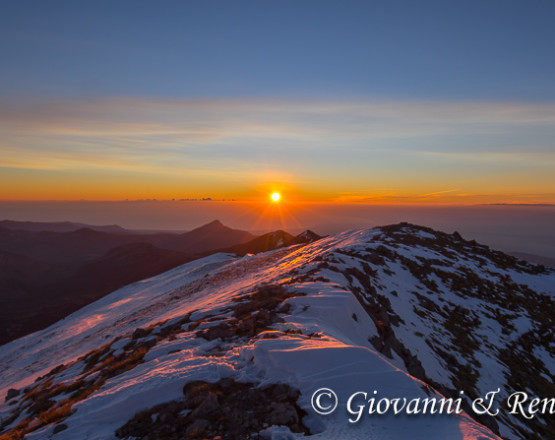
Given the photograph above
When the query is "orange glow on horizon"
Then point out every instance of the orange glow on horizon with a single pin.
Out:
(114, 149)
(67, 187)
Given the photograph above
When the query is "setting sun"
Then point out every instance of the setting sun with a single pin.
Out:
(275, 197)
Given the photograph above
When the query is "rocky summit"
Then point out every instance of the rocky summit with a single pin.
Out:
(230, 347)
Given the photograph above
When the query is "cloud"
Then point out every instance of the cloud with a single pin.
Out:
(226, 134)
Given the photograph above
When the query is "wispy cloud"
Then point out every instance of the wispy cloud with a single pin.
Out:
(371, 141)
(132, 124)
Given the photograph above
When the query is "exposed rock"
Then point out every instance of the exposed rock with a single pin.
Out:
(11, 394)
(59, 428)
(227, 409)
(254, 314)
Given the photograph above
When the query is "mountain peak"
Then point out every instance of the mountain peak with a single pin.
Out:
(308, 236)
(215, 223)
(208, 228)
(407, 305)
(211, 236)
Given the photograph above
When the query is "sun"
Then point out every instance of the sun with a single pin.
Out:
(275, 197)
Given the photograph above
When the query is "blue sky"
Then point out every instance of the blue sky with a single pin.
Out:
(420, 101)
(182, 49)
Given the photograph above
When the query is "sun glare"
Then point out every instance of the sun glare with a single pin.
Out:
(275, 197)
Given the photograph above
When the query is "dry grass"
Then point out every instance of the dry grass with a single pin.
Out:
(18, 432)
(57, 413)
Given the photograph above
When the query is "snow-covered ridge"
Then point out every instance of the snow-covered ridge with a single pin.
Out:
(390, 308)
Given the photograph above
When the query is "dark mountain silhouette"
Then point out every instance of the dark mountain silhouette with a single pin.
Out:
(25, 271)
(120, 266)
(271, 241)
(22, 292)
(85, 245)
(46, 275)
(264, 243)
(56, 226)
(35, 294)
(308, 236)
(66, 248)
(213, 235)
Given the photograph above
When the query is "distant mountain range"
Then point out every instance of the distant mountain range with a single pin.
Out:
(81, 245)
(230, 347)
(56, 226)
(538, 259)
(271, 241)
(48, 270)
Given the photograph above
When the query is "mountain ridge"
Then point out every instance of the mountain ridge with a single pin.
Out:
(375, 306)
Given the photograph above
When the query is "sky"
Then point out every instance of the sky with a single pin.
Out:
(397, 102)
